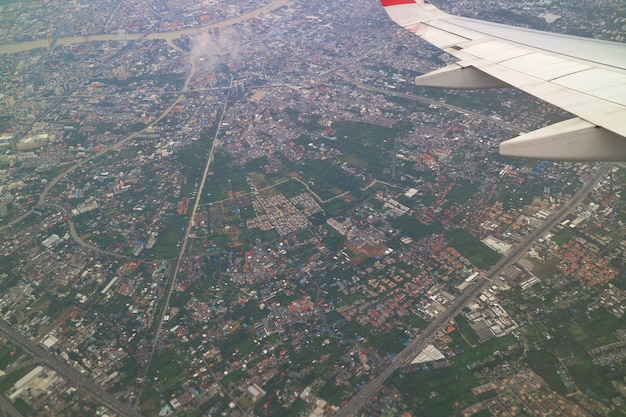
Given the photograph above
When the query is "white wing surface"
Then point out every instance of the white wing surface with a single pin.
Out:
(585, 77)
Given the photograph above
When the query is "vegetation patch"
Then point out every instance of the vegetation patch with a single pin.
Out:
(546, 365)
(223, 182)
(479, 254)
(417, 322)
(462, 191)
(562, 236)
(337, 206)
(364, 145)
(8, 381)
(349, 299)
(168, 242)
(8, 354)
(466, 330)
(413, 228)
(435, 391)
(290, 188)
(389, 343)
(326, 179)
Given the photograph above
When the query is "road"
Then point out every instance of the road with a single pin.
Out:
(167, 36)
(7, 409)
(183, 247)
(80, 241)
(424, 339)
(429, 101)
(80, 382)
(72, 376)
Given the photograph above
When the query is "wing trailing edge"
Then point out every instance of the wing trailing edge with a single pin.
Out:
(586, 77)
(571, 140)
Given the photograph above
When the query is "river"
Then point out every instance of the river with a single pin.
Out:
(167, 36)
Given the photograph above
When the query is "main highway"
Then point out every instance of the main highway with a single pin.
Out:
(183, 248)
(423, 339)
(72, 376)
(89, 387)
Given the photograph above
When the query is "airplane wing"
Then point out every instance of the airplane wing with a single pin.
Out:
(585, 77)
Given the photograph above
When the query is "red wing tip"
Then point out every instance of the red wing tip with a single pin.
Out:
(396, 2)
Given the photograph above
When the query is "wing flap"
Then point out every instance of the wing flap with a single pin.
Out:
(586, 77)
(594, 106)
(436, 36)
(496, 51)
(571, 140)
(600, 53)
(543, 66)
(600, 82)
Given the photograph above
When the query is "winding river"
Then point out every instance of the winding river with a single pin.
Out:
(167, 36)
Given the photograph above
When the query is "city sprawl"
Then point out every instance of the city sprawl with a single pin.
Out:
(247, 208)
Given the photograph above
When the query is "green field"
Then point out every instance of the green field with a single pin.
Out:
(473, 249)
(224, 182)
(327, 179)
(413, 228)
(434, 391)
(364, 146)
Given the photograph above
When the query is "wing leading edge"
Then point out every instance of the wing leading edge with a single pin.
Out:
(585, 77)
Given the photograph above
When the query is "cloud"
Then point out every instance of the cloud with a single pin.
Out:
(215, 49)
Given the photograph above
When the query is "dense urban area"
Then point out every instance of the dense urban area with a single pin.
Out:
(247, 208)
